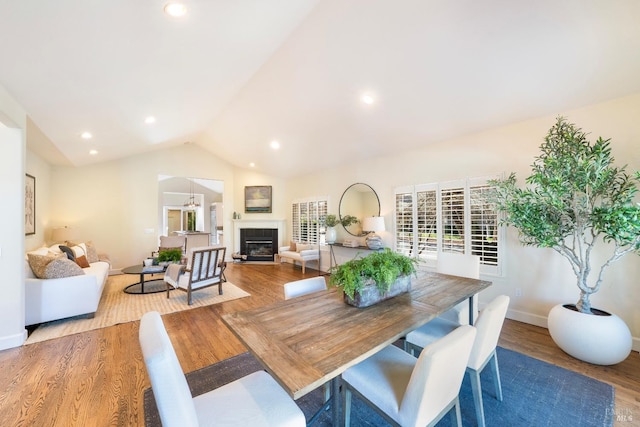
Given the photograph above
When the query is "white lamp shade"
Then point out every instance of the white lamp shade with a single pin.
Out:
(373, 223)
(64, 234)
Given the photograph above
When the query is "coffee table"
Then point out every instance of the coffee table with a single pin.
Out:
(145, 286)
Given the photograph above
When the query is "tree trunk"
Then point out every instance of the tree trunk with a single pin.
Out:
(584, 304)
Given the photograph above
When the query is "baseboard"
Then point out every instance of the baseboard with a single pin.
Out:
(537, 320)
(15, 340)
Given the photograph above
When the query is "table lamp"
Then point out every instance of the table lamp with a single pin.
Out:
(63, 234)
(371, 225)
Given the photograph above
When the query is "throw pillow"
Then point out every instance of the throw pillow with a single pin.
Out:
(38, 263)
(92, 252)
(60, 267)
(79, 250)
(301, 247)
(82, 261)
(292, 246)
(69, 252)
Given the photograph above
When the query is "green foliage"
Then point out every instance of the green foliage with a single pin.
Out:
(575, 197)
(170, 255)
(331, 220)
(383, 267)
(347, 220)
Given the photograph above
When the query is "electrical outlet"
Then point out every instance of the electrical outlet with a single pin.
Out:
(518, 292)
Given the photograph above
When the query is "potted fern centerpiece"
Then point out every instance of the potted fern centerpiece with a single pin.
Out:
(577, 201)
(374, 278)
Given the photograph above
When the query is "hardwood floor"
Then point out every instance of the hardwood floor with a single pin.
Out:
(97, 378)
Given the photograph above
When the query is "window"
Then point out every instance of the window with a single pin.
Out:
(307, 219)
(448, 217)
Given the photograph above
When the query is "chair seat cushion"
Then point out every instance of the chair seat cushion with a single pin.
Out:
(432, 331)
(255, 400)
(383, 378)
(183, 281)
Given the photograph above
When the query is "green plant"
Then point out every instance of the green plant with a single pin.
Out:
(383, 267)
(170, 255)
(331, 220)
(576, 198)
(347, 220)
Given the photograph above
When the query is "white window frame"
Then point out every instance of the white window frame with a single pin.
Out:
(430, 257)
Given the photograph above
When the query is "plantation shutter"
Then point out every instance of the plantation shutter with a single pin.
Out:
(306, 219)
(453, 220)
(404, 223)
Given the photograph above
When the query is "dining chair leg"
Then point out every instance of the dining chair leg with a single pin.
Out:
(456, 416)
(495, 371)
(474, 377)
(346, 405)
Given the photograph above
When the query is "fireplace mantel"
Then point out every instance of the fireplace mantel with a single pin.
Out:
(257, 223)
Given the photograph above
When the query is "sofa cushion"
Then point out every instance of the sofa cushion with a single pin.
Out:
(69, 252)
(60, 267)
(92, 252)
(82, 261)
(40, 263)
(292, 246)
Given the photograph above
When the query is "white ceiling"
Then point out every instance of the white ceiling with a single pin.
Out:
(235, 75)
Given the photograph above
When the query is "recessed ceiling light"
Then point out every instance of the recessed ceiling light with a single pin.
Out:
(175, 9)
(252, 165)
(86, 135)
(275, 144)
(93, 152)
(367, 99)
(150, 120)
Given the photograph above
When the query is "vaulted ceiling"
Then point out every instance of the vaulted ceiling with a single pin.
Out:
(233, 76)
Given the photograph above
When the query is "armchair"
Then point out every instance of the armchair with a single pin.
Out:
(206, 268)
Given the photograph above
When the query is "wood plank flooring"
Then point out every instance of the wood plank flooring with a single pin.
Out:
(97, 378)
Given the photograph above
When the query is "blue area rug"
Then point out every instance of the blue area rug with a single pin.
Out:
(535, 393)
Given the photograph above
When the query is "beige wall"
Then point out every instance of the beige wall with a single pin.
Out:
(543, 276)
(115, 203)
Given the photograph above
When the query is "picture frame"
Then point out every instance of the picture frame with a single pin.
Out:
(29, 205)
(257, 199)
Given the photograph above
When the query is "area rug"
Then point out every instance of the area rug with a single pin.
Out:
(116, 307)
(535, 393)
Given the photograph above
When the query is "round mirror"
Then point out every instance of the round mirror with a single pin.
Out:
(358, 200)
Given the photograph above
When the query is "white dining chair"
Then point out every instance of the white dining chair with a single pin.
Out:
(253, 400)
(464, 266)
(301, 287)
(409, 391)
(489, 325)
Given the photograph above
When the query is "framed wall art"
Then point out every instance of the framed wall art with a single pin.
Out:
(257, 199)
(29, 205)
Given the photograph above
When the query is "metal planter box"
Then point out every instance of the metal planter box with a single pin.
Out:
(370, 294)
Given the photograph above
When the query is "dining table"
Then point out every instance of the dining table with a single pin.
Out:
(308, 341)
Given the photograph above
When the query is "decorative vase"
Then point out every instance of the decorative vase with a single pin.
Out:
(370, 294)
(330, 235)
(600, 338)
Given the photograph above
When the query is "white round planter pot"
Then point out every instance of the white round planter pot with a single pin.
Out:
(599, 339)
(330, 235)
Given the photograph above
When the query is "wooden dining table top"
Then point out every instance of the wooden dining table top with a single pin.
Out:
(307, 341)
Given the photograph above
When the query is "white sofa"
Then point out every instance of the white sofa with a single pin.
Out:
(53, 299)
(303, 253)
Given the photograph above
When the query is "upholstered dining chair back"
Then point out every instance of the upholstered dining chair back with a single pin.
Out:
(170, 388)
(489, 326)
(437, 377)
(302, 287)
(463, 266)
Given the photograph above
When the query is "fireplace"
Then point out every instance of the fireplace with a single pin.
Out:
(259, 244)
